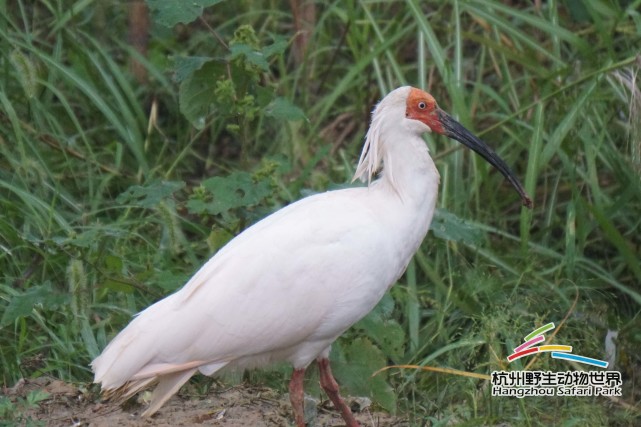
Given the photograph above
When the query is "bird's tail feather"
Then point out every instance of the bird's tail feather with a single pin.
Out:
(127, 390)
(167, 385)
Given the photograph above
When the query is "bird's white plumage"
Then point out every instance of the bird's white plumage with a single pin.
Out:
(288, 286)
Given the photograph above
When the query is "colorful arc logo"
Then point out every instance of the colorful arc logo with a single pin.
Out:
(556, 351)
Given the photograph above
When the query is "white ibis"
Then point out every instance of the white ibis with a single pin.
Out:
(287, 287)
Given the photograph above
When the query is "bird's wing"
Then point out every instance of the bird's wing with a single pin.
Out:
(300, 276)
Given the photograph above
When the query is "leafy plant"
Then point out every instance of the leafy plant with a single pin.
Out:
(13, 413)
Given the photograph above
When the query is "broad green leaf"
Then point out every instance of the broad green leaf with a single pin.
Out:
(172, 12)
(185, 66)
(384, 330)
(218, 238)
(233, 191)
(197, 93)
(22, 305)
(252, 56)
(446, 225)
(281, 108)
(387, 333)
(357, 361)
(150, 195)
(114, 263)
(276, 48)
(36, 396)
(384, 308)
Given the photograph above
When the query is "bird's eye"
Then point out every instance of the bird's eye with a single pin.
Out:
(422, 105)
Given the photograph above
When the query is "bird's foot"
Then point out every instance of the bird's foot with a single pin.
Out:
(330, 386)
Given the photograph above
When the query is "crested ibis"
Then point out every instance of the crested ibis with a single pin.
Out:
(285, 288)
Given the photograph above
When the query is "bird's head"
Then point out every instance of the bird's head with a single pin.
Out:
(420, 107)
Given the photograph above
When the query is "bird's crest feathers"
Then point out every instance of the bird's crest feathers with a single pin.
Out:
(371, 159)
(372, 155)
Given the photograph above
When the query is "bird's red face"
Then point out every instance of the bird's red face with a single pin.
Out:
(421, 106)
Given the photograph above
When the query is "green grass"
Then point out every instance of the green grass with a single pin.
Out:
(96, 221)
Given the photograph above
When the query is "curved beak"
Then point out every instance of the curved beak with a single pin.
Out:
(455, 130)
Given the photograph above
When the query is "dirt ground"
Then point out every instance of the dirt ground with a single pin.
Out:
(239, 406)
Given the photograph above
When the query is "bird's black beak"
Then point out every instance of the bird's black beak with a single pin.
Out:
(455, 130)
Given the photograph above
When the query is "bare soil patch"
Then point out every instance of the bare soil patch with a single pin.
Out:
(238, 406)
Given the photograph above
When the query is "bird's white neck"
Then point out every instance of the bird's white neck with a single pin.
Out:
(408, 183)
(408, 168)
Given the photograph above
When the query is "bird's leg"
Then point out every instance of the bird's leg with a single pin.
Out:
(297, 396)
(330, 386)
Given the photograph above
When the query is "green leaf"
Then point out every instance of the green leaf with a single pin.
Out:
(233, 191)
(446, 225)
(197, 93)
(281, 108)
(114, 263)
(575, 113)
(149, 196)
(118, 286)
(170, 281)
(382, 329)
(276, 48)
(36, 396)
(218, 238)
(23, 304)
(171, 12)
(88, 338)
(89, 237)
(355, 364)
(185, 66)
(252, 56)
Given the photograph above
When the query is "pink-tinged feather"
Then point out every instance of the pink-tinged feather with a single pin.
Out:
(167, 386)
